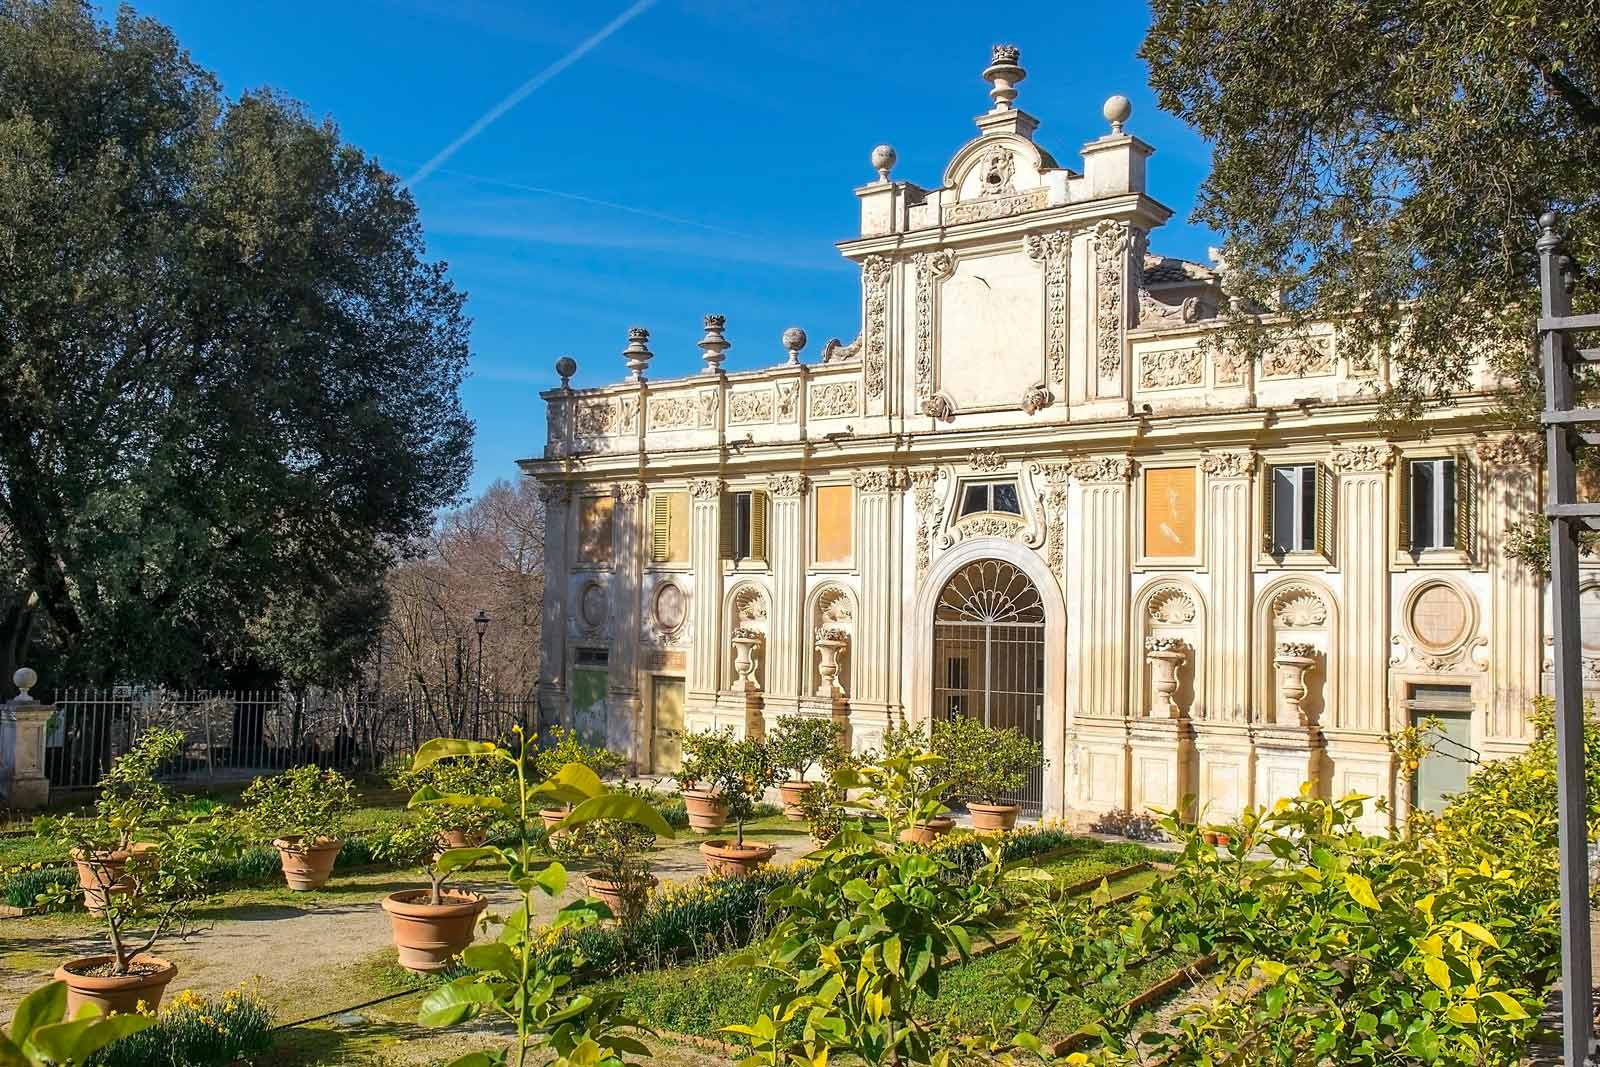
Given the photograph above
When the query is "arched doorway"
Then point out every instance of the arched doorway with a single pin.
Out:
(989, 655)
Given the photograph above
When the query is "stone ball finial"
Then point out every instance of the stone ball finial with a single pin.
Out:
(794, 339)
(1003, 74)
(1116, 110)
(566, 367)
(1549, 236)
(25, 679)
(638, 354)
(714, 344)
(883, 157)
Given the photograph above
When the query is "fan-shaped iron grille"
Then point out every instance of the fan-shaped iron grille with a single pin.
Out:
(988, 655)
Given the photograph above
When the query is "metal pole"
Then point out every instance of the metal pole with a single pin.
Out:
(477, 711)
(1576, 965)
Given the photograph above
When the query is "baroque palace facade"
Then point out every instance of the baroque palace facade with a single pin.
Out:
(1030, 491)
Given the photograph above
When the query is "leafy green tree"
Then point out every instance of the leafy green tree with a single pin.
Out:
(1386, 163)
(231, 374)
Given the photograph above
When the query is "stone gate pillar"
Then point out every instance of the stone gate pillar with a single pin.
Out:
(22, 725)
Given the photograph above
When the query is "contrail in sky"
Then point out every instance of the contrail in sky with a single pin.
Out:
(542, 190)
(527, 87)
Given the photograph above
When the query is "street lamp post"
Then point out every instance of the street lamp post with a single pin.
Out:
(481, 622)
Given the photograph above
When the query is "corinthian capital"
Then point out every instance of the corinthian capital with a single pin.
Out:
(1364, 458)
(788, 484)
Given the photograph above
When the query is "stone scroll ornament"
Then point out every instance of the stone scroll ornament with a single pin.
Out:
(1111, 243)
(1053, 252)
(926, 499)
(875, 272)
(931, 267)
(1054, 506)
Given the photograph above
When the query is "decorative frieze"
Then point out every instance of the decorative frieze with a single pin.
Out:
(628, 415)
(1111, 241)
(1053, 251)
(986, 459)
(1171, 369)
(875, 272)
(996, 207)
(834, 399)
(1228, 366)
(1102, 469)
(1359, 458)
(629, 492)
(788, 484)
(1228, 464)
(708, 408)
(931, 267)
(986, 526)
(788, 398)
(680, 412)
(596, 418)
(750, 406)
(1298, 358)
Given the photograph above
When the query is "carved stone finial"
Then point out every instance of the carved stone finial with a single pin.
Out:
(714, 344)
(1116, 110)
(1003, 74)
(25, 679)
(794, 339)
(637, 354)
(566, 367)
(883, 158)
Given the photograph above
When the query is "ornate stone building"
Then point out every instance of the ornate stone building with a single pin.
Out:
(1033, 490)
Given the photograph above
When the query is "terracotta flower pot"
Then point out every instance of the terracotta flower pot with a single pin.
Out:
(122, 993)
(925, 833)
(1208, 836)
(427, 936)
(724, 858)
(98, 887)
(552, 816)
(462, 838)
(707, 811)
(793, 793)
(1223, 839)
(307, 866)
(625, 899)
(993, 816)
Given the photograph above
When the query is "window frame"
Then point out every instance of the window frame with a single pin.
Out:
(1324, 523)
(988, 485)
(1404, 555)
(1169, 461)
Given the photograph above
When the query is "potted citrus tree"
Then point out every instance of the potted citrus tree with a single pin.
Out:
(906, 785)
(567, 751)
(303, 811)
(130, 806)
(431, 926)
(798, 743)
(739, 772)
(461, 827)
(983, 766)
(620, 877)
(702, 752)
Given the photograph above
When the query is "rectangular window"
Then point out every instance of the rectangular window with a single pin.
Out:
(594, 530)
(1433, 504)
(669, 527)
(744, 526)
(1169, 512)
(978, 497)
(1293, 510)
(835, 523)
(741, 525)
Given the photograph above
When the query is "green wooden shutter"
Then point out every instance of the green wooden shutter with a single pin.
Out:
(1266, 507)
(660, 527)
(1403, 520)
(1465, 505)
(725, 527)
(758, 525)
(1327, 509)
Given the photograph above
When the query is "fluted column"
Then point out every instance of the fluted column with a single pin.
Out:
(1102, 520)
(1510, 492)
(706, 607)
(788, 643)
(877, 494)
(553, 626)
(627, 730)
(1229, 517)
(1363, 551)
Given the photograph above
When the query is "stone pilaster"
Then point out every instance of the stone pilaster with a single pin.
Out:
(1229, 516)
(1509, 491)
(23, 784)
(628, 732)
(877, 539)
(706, 607)
(788, 643)
(553, 627)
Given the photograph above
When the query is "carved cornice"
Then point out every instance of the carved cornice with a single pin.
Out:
(1361, 458)
(1228, 464)
(1103, 469)
(788, 485)
(1052, 250)
(707, 488)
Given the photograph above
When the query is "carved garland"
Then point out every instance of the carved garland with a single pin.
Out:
(926, 500)
(1054, 499)
(986, 459)
(672, 412)
(833, 399)
(752, 406)
(1170, 369)
(931, 267)
(1051, 250)
(875, 271)
(1111, 241)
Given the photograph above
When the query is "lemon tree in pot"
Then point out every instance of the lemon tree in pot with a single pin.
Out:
(303, 811)
(799, 743)
(129, 807)
(620, 876)
(739, 772)
(985, 766)
(461, 827)
(566, 751)
(431, 926)
(702, 753)
(524, 975)
(906, 785)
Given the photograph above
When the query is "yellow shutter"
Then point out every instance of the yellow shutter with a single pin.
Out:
(1465, 505)
(758, 525)
(660, 527)
(725, 527)
(1266, 507)
(1327, 509)
(1403, 520)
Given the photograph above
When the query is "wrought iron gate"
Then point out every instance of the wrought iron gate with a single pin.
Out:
(988, 655)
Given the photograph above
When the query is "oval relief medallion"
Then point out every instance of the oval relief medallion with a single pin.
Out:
(670, 607)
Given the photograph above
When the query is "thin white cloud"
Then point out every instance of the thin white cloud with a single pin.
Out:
(522, 91)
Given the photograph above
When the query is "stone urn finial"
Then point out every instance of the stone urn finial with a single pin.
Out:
(1003, 74)
(566, 367)
(744, 657)
(1293, 660)
(831, 643)
(638, 354)
(714, 344)
(1165, 656)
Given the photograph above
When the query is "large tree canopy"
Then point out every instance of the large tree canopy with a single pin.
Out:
(1393, 157)
(232, 376)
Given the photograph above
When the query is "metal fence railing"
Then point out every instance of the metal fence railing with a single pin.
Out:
(238, 735)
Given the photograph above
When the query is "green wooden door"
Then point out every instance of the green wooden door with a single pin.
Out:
(1444, 769)
(589, 706)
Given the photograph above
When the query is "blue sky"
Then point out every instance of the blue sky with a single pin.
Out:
(708, 152)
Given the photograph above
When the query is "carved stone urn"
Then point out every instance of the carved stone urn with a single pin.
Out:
(744, 657)
(831, 643)
(1293, 660)
(1166, 656)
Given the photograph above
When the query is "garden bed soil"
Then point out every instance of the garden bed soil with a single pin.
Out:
(109, 970)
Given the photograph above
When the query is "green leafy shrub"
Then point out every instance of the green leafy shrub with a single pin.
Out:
(737, 770)
(22, 887)
(566, 749)
(615, 846)
(799, 742)
(194, 1031)
(307, 802)
(464, 777)
(984, 764)
(131, 803)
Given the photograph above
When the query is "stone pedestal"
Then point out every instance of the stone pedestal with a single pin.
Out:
(1162, 758)
(1102, 764)
(1286, 758)
(1224, 753)
(22, 724)
(1362, 763)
